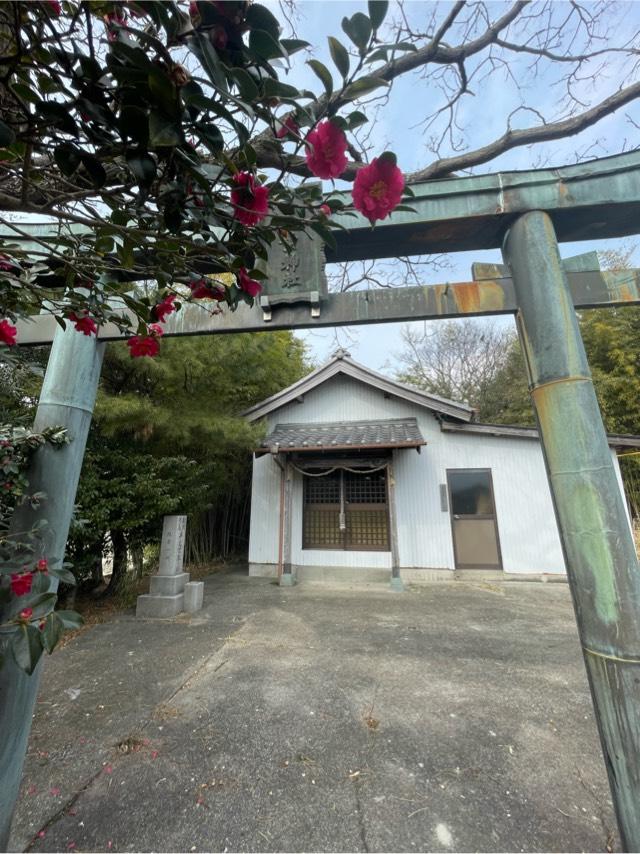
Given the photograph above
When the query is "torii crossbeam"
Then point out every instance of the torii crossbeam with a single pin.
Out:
(522, 212)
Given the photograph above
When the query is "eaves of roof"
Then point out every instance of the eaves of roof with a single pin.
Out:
(616, 440)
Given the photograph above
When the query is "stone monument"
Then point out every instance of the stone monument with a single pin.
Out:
(166, 590)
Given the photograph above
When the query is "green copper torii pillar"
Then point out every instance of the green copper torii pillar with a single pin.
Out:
(602, 565)
(67, 400)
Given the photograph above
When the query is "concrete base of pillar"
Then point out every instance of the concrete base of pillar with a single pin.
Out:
(193, 596)
(287, 579)
(396, 584)
(159, 607)
(168, 585)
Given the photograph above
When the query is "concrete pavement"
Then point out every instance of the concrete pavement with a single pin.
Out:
(452, 717)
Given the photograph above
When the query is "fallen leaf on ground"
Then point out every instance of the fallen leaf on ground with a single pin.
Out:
(55, 792)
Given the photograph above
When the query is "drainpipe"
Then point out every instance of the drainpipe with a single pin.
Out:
(601, 560)
(67, 400)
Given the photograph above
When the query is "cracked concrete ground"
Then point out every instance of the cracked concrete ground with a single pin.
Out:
(451, 717)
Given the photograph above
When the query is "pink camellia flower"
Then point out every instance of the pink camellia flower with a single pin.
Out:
(248, 285)
(206, 289)
(289, 127)
(6, 264)
(164, 308)
(325, 209)
(146, 345)
(378, 188)
(327, 150)
(218, 37)
(42, 565)
(26, 614)
(114, 18)
(250, 200)
(194, 12)
(21, 583)
(8, 333)
(84, 323)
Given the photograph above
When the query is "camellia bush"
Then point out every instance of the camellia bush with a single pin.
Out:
(138, 131)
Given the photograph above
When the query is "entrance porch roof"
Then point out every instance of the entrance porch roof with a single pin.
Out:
(343, 436)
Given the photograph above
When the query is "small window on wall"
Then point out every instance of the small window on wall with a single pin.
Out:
(361, 499)
(471, 492)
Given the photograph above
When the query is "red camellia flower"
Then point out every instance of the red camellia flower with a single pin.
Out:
(8, 333)
(146, 345)
(164, 308)
(327, 150)
(42, 565)
(84, 323)
(26, 614)
(289, 127)
(206, 289)
(250, 200)
(325, 209)
(378, 188)
(53, 7)
(21, 583)
(248, 285)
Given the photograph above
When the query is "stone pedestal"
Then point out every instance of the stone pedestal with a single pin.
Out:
(166, 590)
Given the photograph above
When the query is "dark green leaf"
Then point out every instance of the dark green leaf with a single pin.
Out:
(163, 132)
(276, 89)
(212, 137)
(134, 124)
(95, 169)
(63, 575)
(52, 632)
(358, 28)
(27, 648)
(67, 157)
(143, 167)
(405, 208)
(70, 619)
(323, 73)
(293, 45)
(325, 233)
(340, 56)
(264, 45)
(164, 91)
(208, 56)
(190, 89)
(245, 83)
(377, 12)
(260, 18)
(362, 87)
(356, 119)
(59, 115)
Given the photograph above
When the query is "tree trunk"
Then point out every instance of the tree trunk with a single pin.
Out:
(119, 574)
(137, 556)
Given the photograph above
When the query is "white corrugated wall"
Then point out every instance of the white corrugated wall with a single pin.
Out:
(527, 528)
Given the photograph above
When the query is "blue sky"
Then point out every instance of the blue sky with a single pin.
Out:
(483, 117)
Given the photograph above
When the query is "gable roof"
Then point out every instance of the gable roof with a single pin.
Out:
(342, 363)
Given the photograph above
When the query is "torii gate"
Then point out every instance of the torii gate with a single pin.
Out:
(525, 213)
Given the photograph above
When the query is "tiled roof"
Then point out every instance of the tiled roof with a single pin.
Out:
(343, 435)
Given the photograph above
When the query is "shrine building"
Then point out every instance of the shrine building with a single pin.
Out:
(360, 477)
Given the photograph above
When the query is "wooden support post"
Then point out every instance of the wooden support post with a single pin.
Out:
(67, 399)
(396, 581)
(599, 551)
(287, 579)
